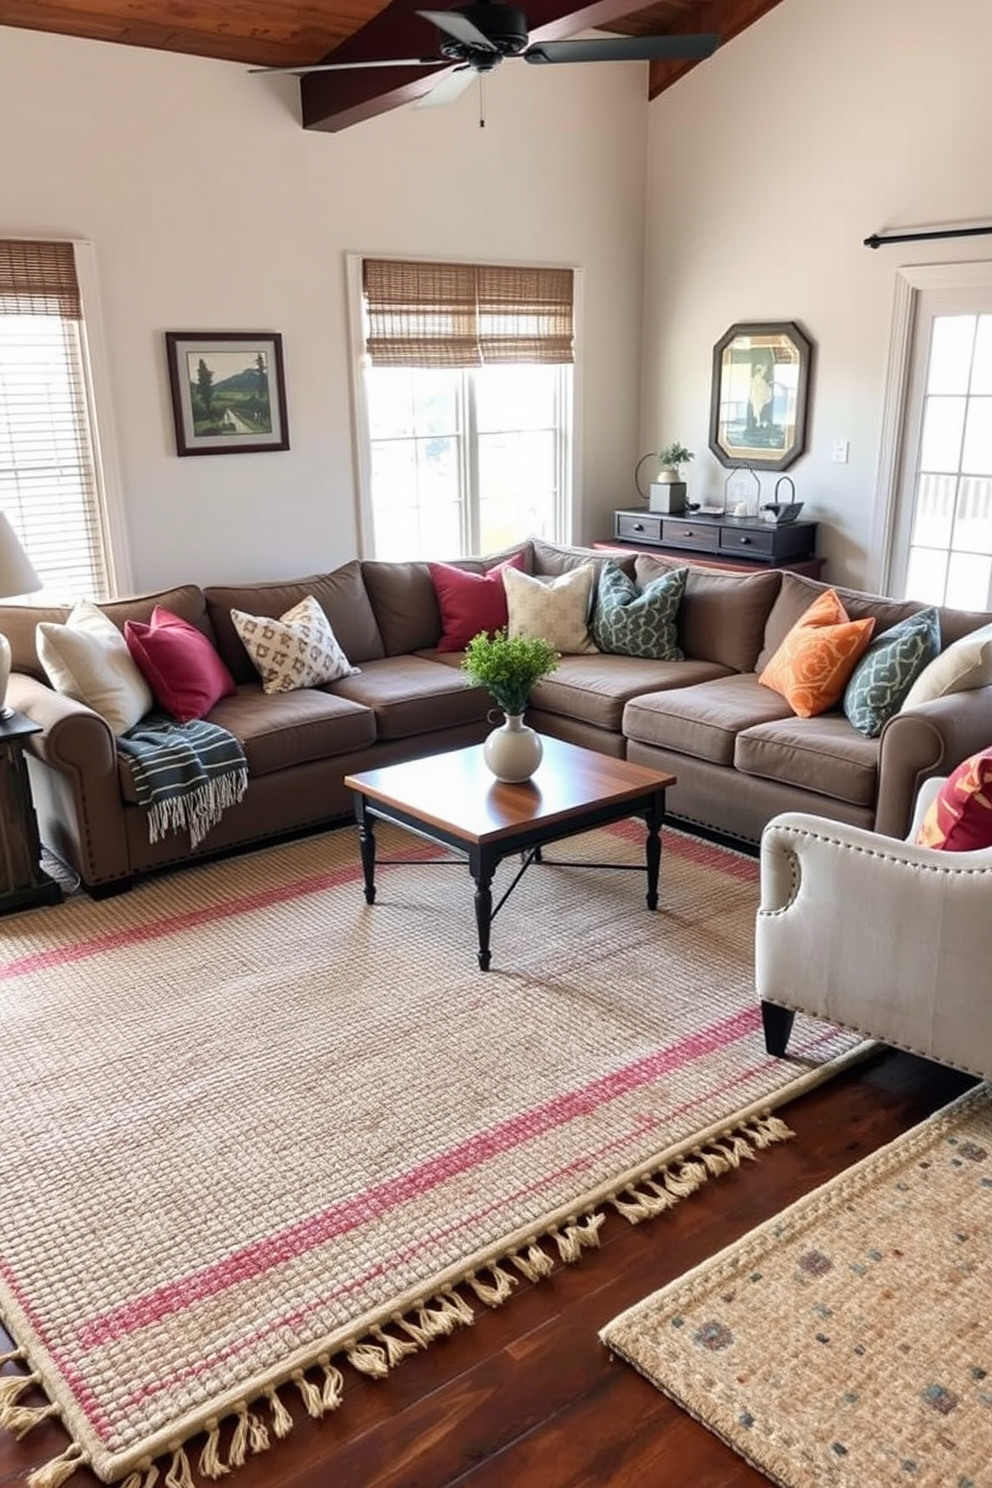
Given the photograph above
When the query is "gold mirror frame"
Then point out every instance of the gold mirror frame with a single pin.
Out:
(761, 374)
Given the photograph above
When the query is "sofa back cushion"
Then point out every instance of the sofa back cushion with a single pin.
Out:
(797, 594)
(405, 602)
(341, 595)
(549, 560)
(722, 616)
(19, 623)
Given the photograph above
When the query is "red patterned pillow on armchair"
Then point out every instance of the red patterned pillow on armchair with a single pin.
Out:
(960, 815)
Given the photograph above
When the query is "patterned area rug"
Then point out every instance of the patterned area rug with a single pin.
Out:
(848, 1341)
(258, 1135)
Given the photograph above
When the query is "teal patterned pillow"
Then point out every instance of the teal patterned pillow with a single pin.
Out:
(638, 622)
(888, 669)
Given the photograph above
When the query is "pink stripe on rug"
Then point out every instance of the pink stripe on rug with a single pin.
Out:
(255, 1259)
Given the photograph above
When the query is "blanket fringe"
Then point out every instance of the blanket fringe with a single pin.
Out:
(386, 1344)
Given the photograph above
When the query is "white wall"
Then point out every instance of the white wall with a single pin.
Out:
(768, 166)
(210, 208)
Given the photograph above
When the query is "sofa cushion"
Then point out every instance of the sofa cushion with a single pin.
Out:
(297, 650)
(556, 609)
(340, 593)
(798, 592)
(550, 559)
(596, 688)
(722, 616)
(959, 818)
(812, 665)
(469, 602)
(180, 664)
(822, 754)
(413, 695)
(961, 666)
(404, 601)
(87, 658)
(20, 621)
(888, 669)
(703, 720)
(628, 620)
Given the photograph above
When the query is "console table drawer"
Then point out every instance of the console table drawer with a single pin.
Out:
(758, 544)
(690, 534)
(635, 528)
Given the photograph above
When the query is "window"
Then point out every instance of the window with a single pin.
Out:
(50, 478)
(465, 406)
(940, 549)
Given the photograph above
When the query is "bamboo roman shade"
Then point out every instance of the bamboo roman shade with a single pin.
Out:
(466, 315)
(48, 479)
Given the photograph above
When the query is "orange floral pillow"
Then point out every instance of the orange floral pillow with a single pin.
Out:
(959, 818)
(811, 667)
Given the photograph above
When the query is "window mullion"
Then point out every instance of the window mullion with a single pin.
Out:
(469, 464)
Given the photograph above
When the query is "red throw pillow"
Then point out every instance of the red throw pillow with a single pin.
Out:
(959, 818)
(179, 663)
(470, 602)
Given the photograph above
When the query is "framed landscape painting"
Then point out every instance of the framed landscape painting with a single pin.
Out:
(228, 392)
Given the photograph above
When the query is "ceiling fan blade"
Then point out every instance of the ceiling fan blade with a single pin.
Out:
(448, 88)
(460, 28)
(625, 49)
(346, 66)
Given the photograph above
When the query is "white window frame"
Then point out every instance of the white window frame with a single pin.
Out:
(911, 281)
(102, 432)
(569, 428)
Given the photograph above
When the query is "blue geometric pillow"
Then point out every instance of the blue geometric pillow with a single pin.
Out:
(628, 621)
(882, 678)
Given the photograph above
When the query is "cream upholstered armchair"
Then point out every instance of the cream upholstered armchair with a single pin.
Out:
(876, 934)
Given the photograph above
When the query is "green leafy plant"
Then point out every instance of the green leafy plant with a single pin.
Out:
(675, 454)
(508, 668)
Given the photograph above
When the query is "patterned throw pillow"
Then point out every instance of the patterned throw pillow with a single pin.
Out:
(960, 815)
(628, 621)
(297, 650)
(555, 609)
(812, 665)
(891, 664)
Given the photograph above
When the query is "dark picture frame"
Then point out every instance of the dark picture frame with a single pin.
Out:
(760, 395)
(228, 392)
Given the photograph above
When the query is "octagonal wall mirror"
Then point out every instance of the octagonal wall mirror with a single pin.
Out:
(761, 372)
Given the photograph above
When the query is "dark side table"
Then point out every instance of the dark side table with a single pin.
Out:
(23, 881)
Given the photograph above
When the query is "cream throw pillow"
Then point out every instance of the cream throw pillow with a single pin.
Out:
(87, 659)
(965, 664)
(556, 609)
(298, 650)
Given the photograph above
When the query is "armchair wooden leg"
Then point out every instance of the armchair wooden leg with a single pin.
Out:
(777, 1022)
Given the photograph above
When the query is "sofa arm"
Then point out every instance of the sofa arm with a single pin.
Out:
(921, 741)
(879, 935)
(74, 781)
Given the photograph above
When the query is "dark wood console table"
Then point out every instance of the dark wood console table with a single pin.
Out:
(23, 882)
(722, 542)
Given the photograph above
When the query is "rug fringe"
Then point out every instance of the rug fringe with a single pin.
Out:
(387, 1343)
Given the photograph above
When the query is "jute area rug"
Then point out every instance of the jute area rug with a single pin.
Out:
(258, 1135)
(848, 1341)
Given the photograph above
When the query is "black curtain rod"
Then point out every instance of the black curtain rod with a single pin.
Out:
(912, 237)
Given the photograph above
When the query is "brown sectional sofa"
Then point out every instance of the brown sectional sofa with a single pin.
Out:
(738, 752)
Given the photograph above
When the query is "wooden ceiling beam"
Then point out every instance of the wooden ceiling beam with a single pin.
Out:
(726, 17)
(335, 100)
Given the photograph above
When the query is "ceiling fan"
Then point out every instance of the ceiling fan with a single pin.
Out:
(477, 37)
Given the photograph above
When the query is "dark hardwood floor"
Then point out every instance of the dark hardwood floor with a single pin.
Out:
(528, 1397)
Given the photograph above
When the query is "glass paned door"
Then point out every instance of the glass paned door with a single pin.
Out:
(944, 522)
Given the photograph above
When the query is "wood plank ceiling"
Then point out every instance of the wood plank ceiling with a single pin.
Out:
(294, 33)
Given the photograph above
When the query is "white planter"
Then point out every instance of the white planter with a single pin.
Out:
(513, 751)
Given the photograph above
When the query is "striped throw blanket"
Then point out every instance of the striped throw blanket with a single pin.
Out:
(185, 774)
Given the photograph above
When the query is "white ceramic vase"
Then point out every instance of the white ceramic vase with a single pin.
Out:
(513, 751)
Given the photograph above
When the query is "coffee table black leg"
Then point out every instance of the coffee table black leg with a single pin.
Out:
(653, 817)
(483, 910)
(366, 843)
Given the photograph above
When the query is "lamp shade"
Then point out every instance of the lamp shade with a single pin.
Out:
(17, 575)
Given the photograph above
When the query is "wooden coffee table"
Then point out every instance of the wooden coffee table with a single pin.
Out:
(453, 799)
